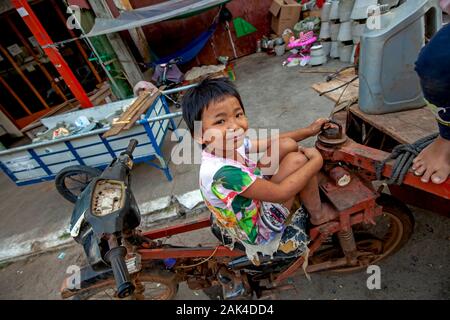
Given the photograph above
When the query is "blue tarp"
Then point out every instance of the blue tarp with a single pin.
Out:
(151, 14)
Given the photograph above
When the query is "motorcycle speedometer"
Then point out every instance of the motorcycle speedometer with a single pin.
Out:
(108, 196)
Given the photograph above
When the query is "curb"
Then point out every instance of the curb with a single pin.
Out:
(154, 212)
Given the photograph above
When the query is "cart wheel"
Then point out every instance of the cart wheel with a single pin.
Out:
(152, 285)
(393, 229)
(71, 181)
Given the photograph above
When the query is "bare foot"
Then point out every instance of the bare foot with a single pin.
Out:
(433, 162)
(327, 213)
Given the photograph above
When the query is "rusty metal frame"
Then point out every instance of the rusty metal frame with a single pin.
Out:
(367, 158)
(194, 252)
(363, 158)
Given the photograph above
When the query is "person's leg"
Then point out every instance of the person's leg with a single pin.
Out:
(320, 212)
(291, 163)
(276, 153)
(433, 67)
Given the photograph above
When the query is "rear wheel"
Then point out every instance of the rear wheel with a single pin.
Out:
(152, 285)
(393, 229)
(71, 181)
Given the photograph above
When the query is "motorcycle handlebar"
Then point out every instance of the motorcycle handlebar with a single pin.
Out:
(116, 257)
(131, 146)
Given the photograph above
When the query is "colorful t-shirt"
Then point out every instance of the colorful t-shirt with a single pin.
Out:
(222, 180)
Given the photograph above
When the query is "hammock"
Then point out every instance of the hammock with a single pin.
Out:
(190, 51)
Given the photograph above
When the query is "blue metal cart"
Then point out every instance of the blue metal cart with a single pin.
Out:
(42, 161)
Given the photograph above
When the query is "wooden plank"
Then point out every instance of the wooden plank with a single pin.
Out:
(351, 92)
(129, 117)
(404, 126)
(118, 126)
(143, 108)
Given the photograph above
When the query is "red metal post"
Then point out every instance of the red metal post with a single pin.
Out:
(44, 40)
(179, 228)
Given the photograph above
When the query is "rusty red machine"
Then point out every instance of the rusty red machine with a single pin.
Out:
(371, 226)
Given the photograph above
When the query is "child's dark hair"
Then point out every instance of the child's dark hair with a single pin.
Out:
(200, 97)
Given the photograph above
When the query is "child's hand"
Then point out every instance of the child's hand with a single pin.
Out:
(317, 125)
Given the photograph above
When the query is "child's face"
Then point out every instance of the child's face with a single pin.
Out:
(224, 125)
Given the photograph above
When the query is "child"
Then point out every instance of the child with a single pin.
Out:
(250, 207)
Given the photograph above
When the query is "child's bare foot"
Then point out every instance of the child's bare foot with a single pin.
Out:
(327, 213)
(433, 162)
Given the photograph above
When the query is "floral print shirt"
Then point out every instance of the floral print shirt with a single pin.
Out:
(222, 180)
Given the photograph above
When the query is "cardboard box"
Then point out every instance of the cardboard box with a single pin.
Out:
(285, 14)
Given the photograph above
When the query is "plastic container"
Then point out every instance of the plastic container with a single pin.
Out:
(345, 31)
(360, 9)
(326, 46)
(387, 79)
(357, 31)
(335, 47)
(325, 13)
(345, 53)
(325, 31)
(334, 10)
(280, 50)
(318, 56)
(334, 30)
(345, 9)
(317, 61)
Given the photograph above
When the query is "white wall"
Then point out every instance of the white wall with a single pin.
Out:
(8, 126)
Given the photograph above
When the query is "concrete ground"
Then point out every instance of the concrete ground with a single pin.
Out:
(420, 270)
(274, 97)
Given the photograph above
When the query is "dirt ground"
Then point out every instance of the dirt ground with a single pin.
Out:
(420, 270)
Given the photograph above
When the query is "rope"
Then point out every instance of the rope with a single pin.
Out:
(338, 87)
(404, 155)
(63, 42)
(197, 264)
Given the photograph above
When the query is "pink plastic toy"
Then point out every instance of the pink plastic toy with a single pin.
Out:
(303, 40)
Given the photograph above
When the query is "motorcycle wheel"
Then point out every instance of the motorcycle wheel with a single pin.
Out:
(155, 285)
(71, 181)
(393, 229)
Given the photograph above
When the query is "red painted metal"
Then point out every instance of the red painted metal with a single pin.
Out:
(180, 228)
(367, 158)
(320, 233)
(421, 199)
(52, 53)
(194, 252)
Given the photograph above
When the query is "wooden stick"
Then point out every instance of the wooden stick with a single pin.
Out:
(119, 125)
(36, 58)
(143, 108)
